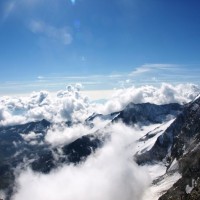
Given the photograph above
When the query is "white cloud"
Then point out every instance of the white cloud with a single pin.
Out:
(19, 8)
(163, 94)
(65, 106)
(150, 67)
(173, 75)
(59, 34)
(72, 105)
(8, 9)
(32, 138)
(11, 6)
(108, 174)
(61, 135)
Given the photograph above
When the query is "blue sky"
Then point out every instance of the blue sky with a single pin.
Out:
(105, 44)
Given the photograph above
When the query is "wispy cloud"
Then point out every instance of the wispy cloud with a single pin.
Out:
(8, 9)
(11, 6)
(59, 34)
(153, 67)
(151, 74)
(59, 76)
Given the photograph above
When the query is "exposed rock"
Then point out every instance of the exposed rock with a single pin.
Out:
(147, 113)
(181, 141)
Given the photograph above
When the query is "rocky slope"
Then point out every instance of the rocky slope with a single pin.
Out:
(179, 148)
(147, 113)
(186, 150)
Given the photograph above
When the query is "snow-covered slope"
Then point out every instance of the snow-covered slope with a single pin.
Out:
(179, 148)
(161, 180)
(146, 142)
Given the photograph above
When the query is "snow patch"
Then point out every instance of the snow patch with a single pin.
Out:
(173, 166)
(161, 186)
(154, 132)
(188, 189)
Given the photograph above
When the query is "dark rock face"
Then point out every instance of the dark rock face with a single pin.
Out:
(176, 137)
(147, 113)
(37, 127)
(44, 162)
(89, 120)
(189, 167)
(78, 150)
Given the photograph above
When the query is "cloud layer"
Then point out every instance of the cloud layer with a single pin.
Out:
(72, 105)
(153, 67)
(61, 35)
(66, 105)
(163, 94)
(108, 174)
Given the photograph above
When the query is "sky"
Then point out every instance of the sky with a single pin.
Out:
(103, 44)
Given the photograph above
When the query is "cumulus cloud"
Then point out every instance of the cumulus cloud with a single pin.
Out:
(72, 105)
(58, 34)
(31, 136)
(66, 105)
(162, 94)
(61, 135)
(108, 174)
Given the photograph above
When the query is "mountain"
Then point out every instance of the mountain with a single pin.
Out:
(17, 149)
(186, 151)
(147, 113)
(179, 148)
(109, 117)
(170, 138)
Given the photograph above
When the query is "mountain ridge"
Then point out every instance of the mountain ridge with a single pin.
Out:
(79, 149)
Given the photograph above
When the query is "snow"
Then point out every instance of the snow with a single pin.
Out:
(196, 97)
(161, 181)
(153, 130)
(188, 189)
(155, 170)
(174, 166)
(164, 183)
